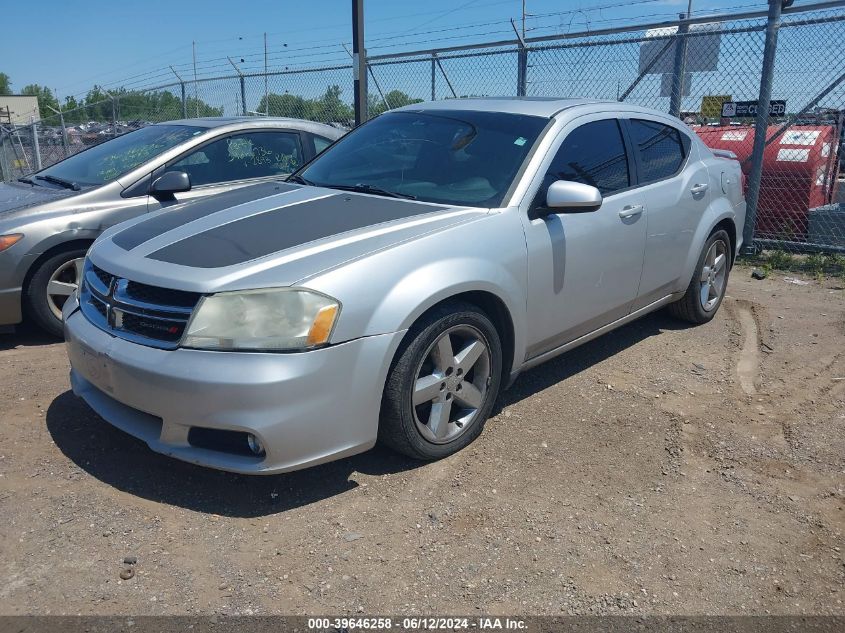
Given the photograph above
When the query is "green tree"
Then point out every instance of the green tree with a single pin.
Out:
(5, 84)
(195, 106)
(286, 105)
(46, 100)
(330, 107)
(396, 99)
(327, 108)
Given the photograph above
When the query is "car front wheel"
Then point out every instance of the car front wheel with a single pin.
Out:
(51, 284)
(443, 384)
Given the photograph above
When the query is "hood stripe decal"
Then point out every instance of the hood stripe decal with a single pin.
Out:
(267, 233)
(146, 230)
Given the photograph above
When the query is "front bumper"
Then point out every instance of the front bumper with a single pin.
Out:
(10, 306)
(305, 408)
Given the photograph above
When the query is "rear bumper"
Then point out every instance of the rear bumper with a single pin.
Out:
(305, 408)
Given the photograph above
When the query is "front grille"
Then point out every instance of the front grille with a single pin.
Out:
(164, 296)
(104, 277)
(144, 314)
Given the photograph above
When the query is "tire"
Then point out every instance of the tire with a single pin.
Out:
(692, 307)
(462, 394)
(63, 268)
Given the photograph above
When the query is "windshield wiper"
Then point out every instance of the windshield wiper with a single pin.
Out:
(28, 181)
(67, 184)
(299, 180)
(376, 191)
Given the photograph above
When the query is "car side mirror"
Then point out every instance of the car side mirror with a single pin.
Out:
(168, 183)
(564, 196)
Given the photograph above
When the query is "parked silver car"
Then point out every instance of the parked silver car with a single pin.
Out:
(50, 218)
(399, 280)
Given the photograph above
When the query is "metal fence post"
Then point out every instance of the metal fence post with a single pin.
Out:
(359, 63)
(5, 167)
(113, 117)
(243, 95)
(761, 124)
(521, 60)
(184, 101)
(522, 71)
(679, 67)
(433, 71)
(64, 130)
(36, 148)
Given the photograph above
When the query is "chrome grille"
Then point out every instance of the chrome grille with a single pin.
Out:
(144, 314)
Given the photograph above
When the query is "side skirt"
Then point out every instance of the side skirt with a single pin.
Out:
(542, 358)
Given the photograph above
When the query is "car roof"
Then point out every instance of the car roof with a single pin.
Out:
(546, 107)
(242, 122)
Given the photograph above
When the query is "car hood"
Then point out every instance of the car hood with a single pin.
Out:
(217, 244)
(18, 198)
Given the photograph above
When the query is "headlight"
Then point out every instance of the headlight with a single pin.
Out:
(7, 240)
(279, 319)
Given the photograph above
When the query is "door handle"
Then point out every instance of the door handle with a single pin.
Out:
(697, 189)
(631, 210)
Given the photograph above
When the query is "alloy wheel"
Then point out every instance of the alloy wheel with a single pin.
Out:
(713, 275)
(64, 280)
(451, 384)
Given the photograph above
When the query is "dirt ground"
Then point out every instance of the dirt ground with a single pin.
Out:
(658, 469)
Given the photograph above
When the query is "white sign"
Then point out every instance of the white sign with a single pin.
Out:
(793, 155)
(799, 137)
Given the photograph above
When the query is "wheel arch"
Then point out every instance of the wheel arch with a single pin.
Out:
(71, 244)
(717, 217)
(493, 307)
(729, 226)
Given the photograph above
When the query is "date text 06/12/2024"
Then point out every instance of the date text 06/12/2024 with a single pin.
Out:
(416, 623)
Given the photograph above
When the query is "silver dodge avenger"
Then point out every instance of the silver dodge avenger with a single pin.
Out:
(396, 283)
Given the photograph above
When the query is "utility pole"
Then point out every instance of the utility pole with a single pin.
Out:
(523, 20)
(359, 62)
(266, 90)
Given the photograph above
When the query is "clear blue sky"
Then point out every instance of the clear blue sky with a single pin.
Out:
(70, 46)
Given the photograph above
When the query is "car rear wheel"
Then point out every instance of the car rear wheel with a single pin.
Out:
(707, 289)
(51, 284)
(443, 384)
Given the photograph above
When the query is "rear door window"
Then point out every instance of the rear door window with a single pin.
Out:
(662, 149)
(243, 156)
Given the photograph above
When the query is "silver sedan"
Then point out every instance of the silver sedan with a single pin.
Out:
(397, 283)
(50, 218)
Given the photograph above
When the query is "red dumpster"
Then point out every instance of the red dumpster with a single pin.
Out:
(799, 173)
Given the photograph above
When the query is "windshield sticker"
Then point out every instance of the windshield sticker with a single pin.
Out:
(520, 141)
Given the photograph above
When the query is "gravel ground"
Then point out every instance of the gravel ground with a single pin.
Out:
(657, 470)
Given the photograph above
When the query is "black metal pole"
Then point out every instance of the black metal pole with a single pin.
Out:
(359, 62)
(761, 125)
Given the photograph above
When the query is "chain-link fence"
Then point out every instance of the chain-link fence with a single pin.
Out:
(706, 70)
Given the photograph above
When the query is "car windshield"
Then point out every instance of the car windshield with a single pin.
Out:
(455, 157)
(108, 161)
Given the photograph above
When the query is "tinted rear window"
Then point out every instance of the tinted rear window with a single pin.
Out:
(662, 149)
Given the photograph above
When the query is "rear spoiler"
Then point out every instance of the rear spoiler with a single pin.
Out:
(724, 153)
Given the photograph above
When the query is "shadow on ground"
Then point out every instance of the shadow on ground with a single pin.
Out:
(25, 335)
(126, 463)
